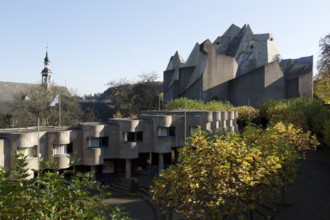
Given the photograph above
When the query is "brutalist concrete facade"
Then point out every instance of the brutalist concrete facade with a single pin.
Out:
(119, 146)
(239, 66)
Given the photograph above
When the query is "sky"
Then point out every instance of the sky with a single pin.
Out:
(92, 43)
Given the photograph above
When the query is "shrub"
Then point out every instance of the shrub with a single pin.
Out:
(190, 104)
(227, 174)
(246, 115)
(303, 112)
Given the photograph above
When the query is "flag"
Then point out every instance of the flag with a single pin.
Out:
(55, 101)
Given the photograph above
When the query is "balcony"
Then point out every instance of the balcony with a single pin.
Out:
(62, 161)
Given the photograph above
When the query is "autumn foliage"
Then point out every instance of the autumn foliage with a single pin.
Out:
(223, 175)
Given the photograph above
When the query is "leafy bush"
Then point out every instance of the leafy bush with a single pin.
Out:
(50, 195)
(190, 104)
(304, 112)
(246, 115)
(227, 174)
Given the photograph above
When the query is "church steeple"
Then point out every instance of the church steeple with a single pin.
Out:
(46, 73)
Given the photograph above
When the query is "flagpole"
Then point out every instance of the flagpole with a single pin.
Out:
(59, 109)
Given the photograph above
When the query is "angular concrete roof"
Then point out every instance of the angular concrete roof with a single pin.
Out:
(292, 68)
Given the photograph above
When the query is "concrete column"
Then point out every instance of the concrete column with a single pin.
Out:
(161, 161)
(235, 121)
(231, 121)
(173, 156)
(224, 118)
(128, 169)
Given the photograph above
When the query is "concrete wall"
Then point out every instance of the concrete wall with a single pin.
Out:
(306, 84)
(266, 82)
(274, 82)
(179, 125)
(248, 89)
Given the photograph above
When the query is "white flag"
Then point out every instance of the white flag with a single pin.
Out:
(55, 101)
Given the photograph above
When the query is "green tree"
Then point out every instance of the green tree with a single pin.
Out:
(322, 80)
(132, 97)
(34, 104)
(322, 88)
(52, 194)
(323, 63)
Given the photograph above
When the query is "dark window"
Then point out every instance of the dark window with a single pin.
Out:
(69, 148)
(171, 131)
(104, 141)
(131, 137)
(139, 136)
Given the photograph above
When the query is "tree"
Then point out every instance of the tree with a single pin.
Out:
(322, 80)
(322, 87)
(34, 104)
(52, 194)
(132, 97)
(323, 63)
(229, 174)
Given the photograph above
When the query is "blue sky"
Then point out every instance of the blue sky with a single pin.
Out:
(91, 43)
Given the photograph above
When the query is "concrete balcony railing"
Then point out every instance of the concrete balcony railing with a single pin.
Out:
(27, 140)
(62, 161)
(32, 163)
(93, 156)
(62, 137)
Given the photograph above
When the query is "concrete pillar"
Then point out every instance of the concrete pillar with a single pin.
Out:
(173, 156)
(161, 161)
(235, 121)
(231, 126)
(128, 169)
(224, 118)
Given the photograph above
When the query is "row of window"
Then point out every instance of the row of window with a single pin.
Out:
(93, 142)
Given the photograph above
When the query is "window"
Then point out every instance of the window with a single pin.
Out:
(59, 149)
(171, 131)
(165, 132)
(133, 136)
(93, 142)
(69, 148)
(104, 141)
(139, 136)
(98, 142)
(162, 132)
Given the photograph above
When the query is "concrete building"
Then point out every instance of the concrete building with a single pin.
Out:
(239, 66)
(120, 147)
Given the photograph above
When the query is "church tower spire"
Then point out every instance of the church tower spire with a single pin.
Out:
(46, 73)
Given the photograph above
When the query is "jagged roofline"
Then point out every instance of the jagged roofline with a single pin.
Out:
(176, 59)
